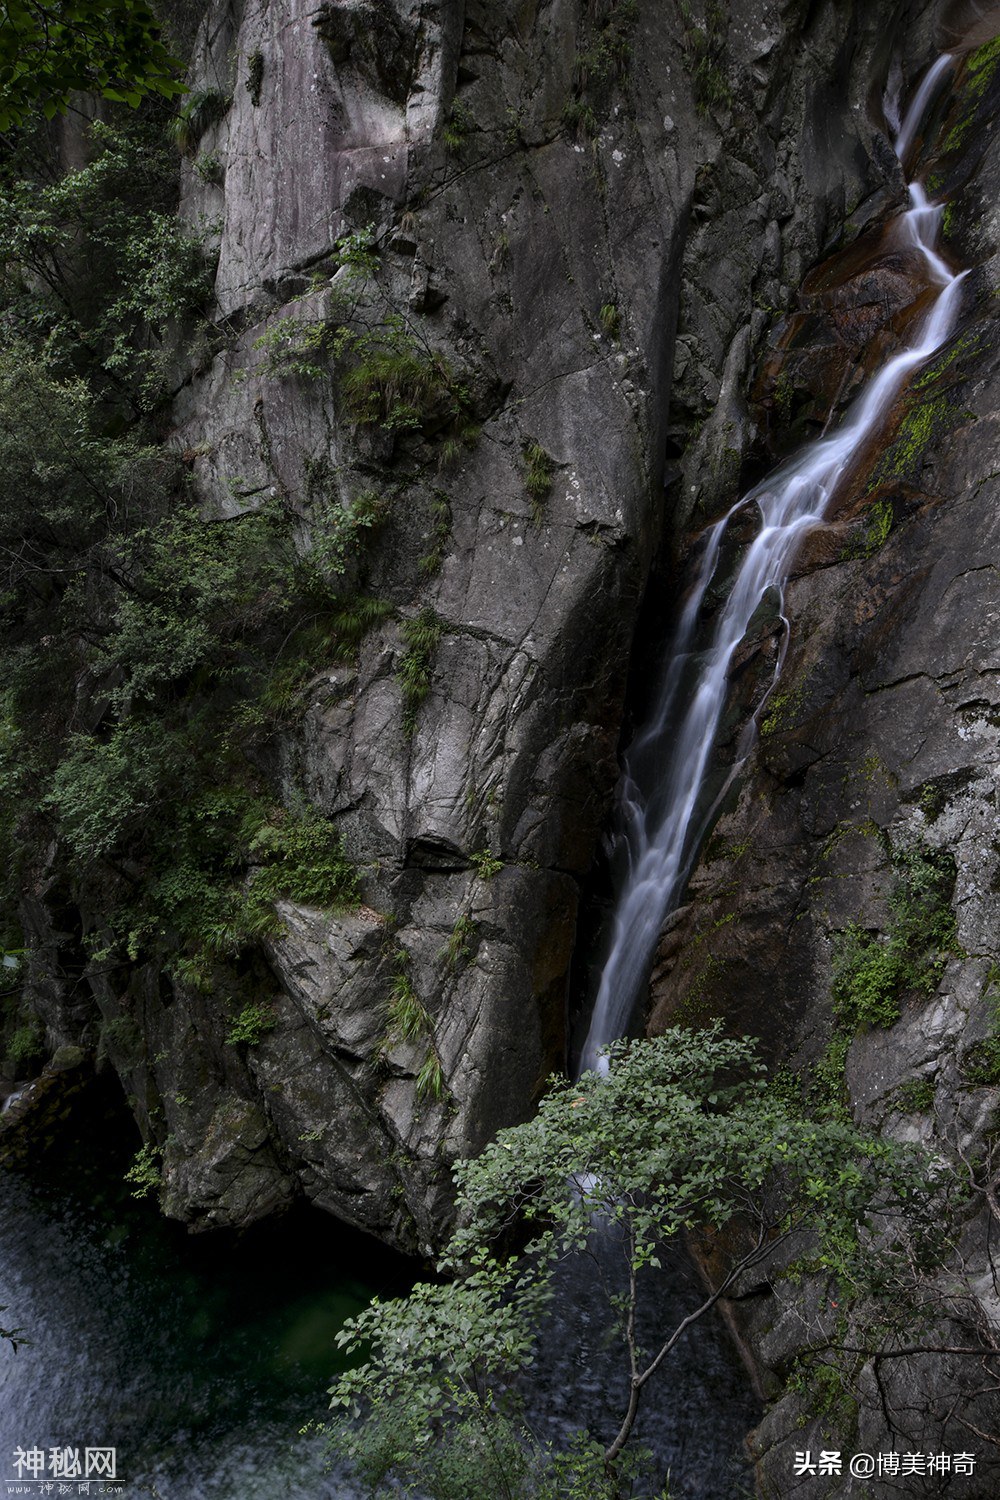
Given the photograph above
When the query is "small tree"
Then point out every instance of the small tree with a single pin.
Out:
(683, 1140)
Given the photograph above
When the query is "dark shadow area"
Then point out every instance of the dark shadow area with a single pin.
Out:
(198, 1358)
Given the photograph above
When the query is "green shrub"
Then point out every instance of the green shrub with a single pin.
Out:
(388, 377)
(49, 54)
(539, 468)
(121, 1034)
(408, 1018)
(101, 790)
(388, 373)
(68, 488)
(827, 1085)
(201, 109)
(457, 949)
(981, 1061)
(611, 320)
(201, 641)
(197, 590)
(197, 906)
(254, 1021)
(711, 84)
(149, 653)
(868, 976)
(915, 1097)
(301, 858)
(458, 126)
(294, 346)
(828, 1389)
(706, 49)
(601, 63)
(610, 49)
(191, 906)
(430, 1085)
(208, 167)
(579, 116)
(336, 530)
(26, 1048)
(440, 534)
(393, 381)
(96, 270)
(682, 1138)
(486, 863)
(872, 973)
(351, 619)
(462, 432)
(409, 1021)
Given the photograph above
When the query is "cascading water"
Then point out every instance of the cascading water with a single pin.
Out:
(662, 813)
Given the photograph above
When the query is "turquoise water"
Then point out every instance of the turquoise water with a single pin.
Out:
(198, 1358)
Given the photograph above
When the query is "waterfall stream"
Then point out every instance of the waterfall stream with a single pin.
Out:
(662, 814)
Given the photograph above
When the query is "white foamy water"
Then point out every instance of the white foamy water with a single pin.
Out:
(662, 811)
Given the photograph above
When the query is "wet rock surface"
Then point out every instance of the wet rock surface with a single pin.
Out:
(878, 746)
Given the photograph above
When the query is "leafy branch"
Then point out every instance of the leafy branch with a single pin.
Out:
(682, 1141)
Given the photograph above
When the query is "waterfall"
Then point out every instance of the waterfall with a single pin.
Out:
(662, 817)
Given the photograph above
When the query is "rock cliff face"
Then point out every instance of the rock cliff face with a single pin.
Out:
(873, 784)
(582, 221)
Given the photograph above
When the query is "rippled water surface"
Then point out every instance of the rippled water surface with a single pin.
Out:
(197, 1357)
(698, 1407)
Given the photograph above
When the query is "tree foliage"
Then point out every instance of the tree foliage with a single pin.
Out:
(683, 1141)
(96, 275)
(149, 651)
(50, 49)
